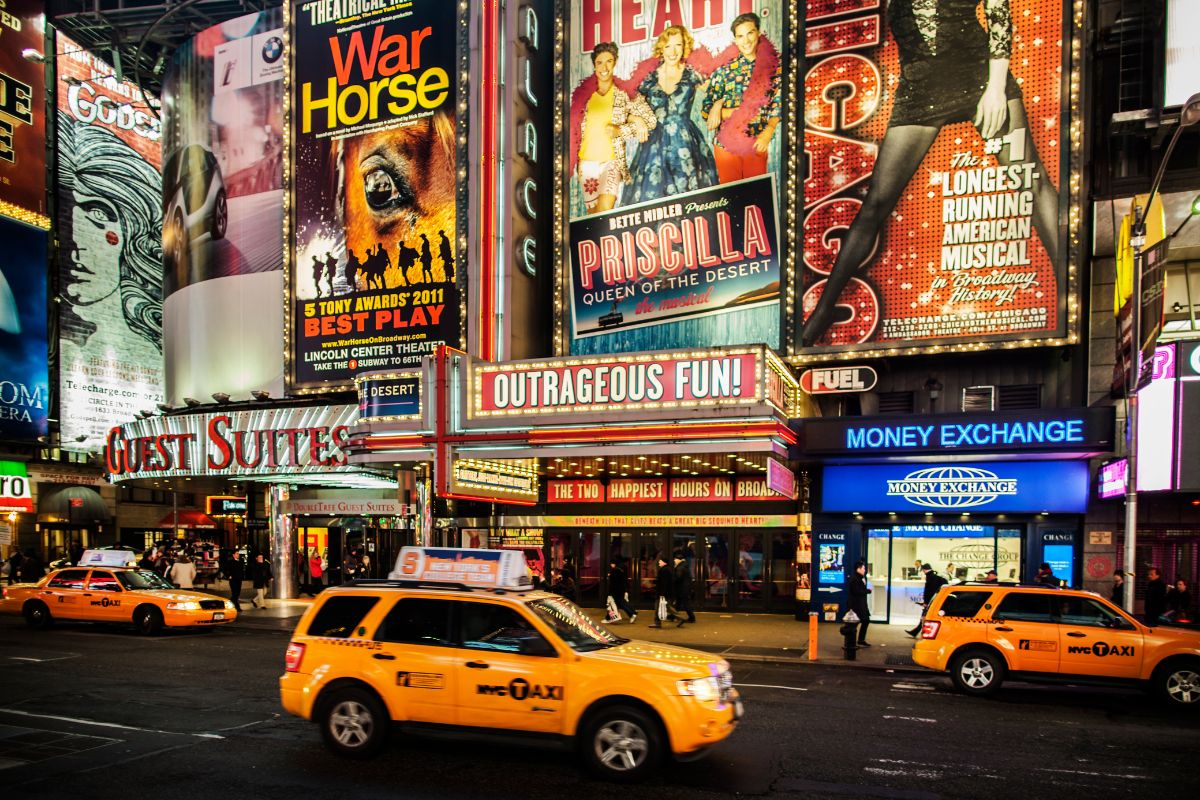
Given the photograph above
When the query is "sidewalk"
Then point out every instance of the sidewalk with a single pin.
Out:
(754, 638)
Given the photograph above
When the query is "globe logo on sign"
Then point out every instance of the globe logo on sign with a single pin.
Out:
(951, 487)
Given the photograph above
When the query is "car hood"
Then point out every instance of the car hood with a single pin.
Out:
(174, 595)
(666, 658)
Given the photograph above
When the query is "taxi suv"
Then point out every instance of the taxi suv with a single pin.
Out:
(982, 634)
(485, 657)
(114, 594)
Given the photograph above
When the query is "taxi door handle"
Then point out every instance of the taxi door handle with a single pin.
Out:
(1077, 635)
(384, 656)
(1004, 628)
(477, 664)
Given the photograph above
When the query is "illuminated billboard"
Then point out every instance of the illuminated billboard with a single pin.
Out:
(22, 113)
(936, 198)
(675, 164)
(373, 279)
(223, 154)
(24, 378)
(110, 254)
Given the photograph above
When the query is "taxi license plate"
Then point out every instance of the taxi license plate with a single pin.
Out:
(219, 615)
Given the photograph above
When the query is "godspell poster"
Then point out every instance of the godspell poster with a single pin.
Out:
(110, 254)
(935, 144)
(674, 159)
(374, 280)
(24, 378)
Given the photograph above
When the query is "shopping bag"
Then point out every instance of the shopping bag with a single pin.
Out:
(614, 615)
(662, 608)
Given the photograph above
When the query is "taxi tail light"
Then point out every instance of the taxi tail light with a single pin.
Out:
(295, 654)
(929, 629)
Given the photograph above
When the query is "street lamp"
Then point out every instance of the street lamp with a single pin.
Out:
(1189, 115)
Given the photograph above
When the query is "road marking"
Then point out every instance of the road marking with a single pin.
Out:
(772, 686)
(909, 719)
(914, 687)
(39, 660)
(1095, 774)
(928, 774)
(97, 723)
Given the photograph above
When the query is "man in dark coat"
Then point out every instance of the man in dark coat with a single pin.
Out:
(260, 577)
(14, 565)
(683, 589)
(32, 569)
(858, 601)
(618, 589)
(933, 582)
(1156, 597)
(235, 571)
(664, 591)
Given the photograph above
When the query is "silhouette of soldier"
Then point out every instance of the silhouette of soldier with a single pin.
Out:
(400, 250)
(318, 270)
(352, 266)
(330, 269)
(385, 261)
(447, 255)
(426, 260)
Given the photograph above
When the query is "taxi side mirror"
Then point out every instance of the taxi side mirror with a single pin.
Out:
(536, 647)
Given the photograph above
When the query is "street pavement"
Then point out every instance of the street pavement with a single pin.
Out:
(101, 712)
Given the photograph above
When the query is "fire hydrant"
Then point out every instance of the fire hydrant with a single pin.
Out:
(849, 630)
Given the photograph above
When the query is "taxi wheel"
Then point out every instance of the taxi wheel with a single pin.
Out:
(353, 722)
(148, 620)
(622, 744)
(977, 672)
(38, 616)
(1179, 684)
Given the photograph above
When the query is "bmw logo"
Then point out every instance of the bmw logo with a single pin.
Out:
(272, 50)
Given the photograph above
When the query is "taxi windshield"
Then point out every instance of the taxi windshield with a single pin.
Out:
(573, 626)
(142, 579)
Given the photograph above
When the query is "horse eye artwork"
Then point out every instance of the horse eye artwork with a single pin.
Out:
(383, 191)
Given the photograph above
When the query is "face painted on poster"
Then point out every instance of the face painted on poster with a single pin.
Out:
(93, 259)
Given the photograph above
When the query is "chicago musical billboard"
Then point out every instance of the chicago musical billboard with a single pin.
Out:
(110, 252)
(937, 140)
(373, 279)
(674, 162)
(22, 112)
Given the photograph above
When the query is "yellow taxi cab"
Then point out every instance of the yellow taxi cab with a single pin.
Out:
(456, 638)
(983, 633)
(104, 588)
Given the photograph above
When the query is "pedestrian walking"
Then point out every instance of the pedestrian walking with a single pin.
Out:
(349, 567)
(562, 583)
(664, 592)
(1045, 576)
(1179, 602)
(1117, 595)
(261, 576)
(182, 573)
(32, 569)
(316, 571)
(858, 601)
(235, 572)
(14, 565)
(933, 582)
(618, 593)
(1156, 596)
(683, 590)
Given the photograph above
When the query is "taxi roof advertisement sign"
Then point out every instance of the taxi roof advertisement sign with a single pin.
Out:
(922, 228)
(500, 569)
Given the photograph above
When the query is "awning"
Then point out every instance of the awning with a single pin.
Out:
(74, 505)
(186, 518)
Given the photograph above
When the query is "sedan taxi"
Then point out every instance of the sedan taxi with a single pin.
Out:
(122, 595)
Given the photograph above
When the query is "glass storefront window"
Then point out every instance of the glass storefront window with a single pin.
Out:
(750, 566)
(783, 573)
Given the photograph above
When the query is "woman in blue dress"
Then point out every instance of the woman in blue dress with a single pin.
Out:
(676, 157)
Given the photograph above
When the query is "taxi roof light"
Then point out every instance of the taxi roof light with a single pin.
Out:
(463, 568)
